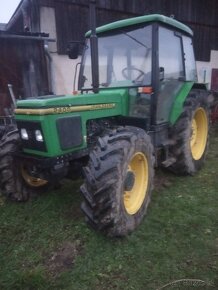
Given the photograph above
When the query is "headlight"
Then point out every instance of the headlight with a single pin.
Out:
(24, 134)
(39, 136)
(31, 134)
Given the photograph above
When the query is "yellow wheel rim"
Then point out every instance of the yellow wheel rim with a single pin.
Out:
(134, 197)
(32, 181)
(199, 134)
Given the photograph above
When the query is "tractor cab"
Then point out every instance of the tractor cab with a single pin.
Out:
(151, 56)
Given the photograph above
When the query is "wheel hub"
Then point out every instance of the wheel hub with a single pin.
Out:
(129, 181)
(31, 180)
(135, 183)
(198, 139)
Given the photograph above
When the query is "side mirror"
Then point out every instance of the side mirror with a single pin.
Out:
(73, 50)
(161, 73)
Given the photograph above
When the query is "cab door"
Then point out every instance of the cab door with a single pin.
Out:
(171, 71)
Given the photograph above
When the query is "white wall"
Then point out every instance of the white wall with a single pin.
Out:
(62, 68)
(63, 74)
(204, 68)
(48, 25)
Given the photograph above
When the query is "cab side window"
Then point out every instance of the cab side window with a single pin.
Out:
(170, 54)
(190, 65)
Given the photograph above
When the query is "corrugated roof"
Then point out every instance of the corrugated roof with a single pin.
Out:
(26, 35)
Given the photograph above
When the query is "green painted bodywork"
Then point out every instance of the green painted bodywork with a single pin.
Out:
(143, 19)
(179, 101)
(104, 96)
(119, 97)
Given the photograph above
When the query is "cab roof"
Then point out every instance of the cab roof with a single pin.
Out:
(143, 19)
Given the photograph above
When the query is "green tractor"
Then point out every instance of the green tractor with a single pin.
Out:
(139, 106)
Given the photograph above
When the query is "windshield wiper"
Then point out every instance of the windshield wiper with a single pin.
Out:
(136, 40)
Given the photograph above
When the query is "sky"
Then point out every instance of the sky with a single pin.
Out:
(7, 8)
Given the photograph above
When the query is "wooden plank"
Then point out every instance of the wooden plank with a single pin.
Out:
(214, 80)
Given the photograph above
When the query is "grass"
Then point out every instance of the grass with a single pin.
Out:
(45, 244)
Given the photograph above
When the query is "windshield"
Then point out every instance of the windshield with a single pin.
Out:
(124, 59)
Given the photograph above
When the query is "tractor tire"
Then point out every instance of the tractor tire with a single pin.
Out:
(190, 134)
(118, 181)
(15, 183)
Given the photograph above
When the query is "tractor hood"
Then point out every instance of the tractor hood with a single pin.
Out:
(46, 105)
(61, 121)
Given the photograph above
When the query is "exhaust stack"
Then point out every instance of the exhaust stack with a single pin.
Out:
(94, 47)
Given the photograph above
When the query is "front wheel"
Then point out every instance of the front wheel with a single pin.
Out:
(118, 181)
(16, 181)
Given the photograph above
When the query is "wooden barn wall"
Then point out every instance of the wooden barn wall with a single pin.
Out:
(23, 65)
(70, 27)
(72, 18)
(34, 13)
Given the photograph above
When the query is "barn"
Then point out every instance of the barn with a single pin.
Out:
(23, 64)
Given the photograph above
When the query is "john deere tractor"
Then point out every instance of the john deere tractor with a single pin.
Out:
(139, 106)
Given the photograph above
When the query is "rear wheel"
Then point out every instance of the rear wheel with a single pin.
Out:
(118, 181)
(16, 182)
(191, 135)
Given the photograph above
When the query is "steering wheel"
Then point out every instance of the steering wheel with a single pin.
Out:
(132, 68)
